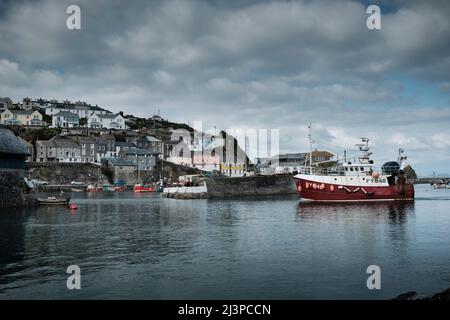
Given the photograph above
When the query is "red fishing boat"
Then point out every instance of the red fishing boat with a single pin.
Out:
(143, 188)
(355, 181)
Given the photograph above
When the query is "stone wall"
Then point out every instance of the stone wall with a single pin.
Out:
(251, 186)
(64, 173)
(13, 191)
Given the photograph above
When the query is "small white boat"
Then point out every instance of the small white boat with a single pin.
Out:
(54, 201)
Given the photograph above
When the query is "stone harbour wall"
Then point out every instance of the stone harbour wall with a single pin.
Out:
(251, 186)
(64, 173)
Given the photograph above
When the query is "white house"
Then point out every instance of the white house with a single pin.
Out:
(108, 121)
(81, 109)
(65, 119)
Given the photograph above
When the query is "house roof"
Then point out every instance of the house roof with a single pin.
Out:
(6, 99)
(123, 144)
(21, 112)
(107, 116)
(65, 114)
(119, 162)
(59, 142)
(9, 143)
(137, 151)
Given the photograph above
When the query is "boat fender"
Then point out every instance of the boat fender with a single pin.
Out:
(322, 186)
(331, 188)
(315, 186)
(299, 188)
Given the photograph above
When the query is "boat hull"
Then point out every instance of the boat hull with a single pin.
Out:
(54, 201)
(317, 191)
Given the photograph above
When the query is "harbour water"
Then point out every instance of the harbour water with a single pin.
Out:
(147, 247)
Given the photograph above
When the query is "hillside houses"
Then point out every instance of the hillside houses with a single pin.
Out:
(80, 108)
(292, 162)
(21, 117)
(92, 149)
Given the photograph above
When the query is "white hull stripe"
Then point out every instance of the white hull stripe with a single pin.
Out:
(361, 200)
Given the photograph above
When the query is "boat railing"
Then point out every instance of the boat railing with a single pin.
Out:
(321, 171)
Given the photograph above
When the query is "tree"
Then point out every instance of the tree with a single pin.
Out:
(83, 122)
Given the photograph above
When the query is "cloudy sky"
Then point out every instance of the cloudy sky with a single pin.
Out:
(247, 64)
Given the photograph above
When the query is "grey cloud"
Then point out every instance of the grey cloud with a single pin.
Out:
(270, 64)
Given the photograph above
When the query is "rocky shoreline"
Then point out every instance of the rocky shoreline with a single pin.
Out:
(413, 295)
(13, 191)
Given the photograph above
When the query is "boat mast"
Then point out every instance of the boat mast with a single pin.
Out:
(310, 148)
(401, 158)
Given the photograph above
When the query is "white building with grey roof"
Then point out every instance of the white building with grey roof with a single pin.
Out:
(65, 119)
(106, 121)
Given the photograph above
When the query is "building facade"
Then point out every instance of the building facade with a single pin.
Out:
(81, 109)
(150, 143)
(21, 117)
(65, 119)
(107, 121)
(143, 159)
(58, 149)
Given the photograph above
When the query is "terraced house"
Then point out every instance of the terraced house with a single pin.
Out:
(21, 117)
(58, 149)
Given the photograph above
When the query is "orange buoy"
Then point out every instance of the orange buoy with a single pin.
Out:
(73, 206)
(375, 175)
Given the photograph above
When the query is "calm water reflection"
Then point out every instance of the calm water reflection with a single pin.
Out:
(142, 246)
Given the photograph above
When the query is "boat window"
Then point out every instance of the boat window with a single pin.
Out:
(351, 168)
(362, 168)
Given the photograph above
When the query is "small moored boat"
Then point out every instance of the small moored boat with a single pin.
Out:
(143, 188)
(92, 188)
(54, 201)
